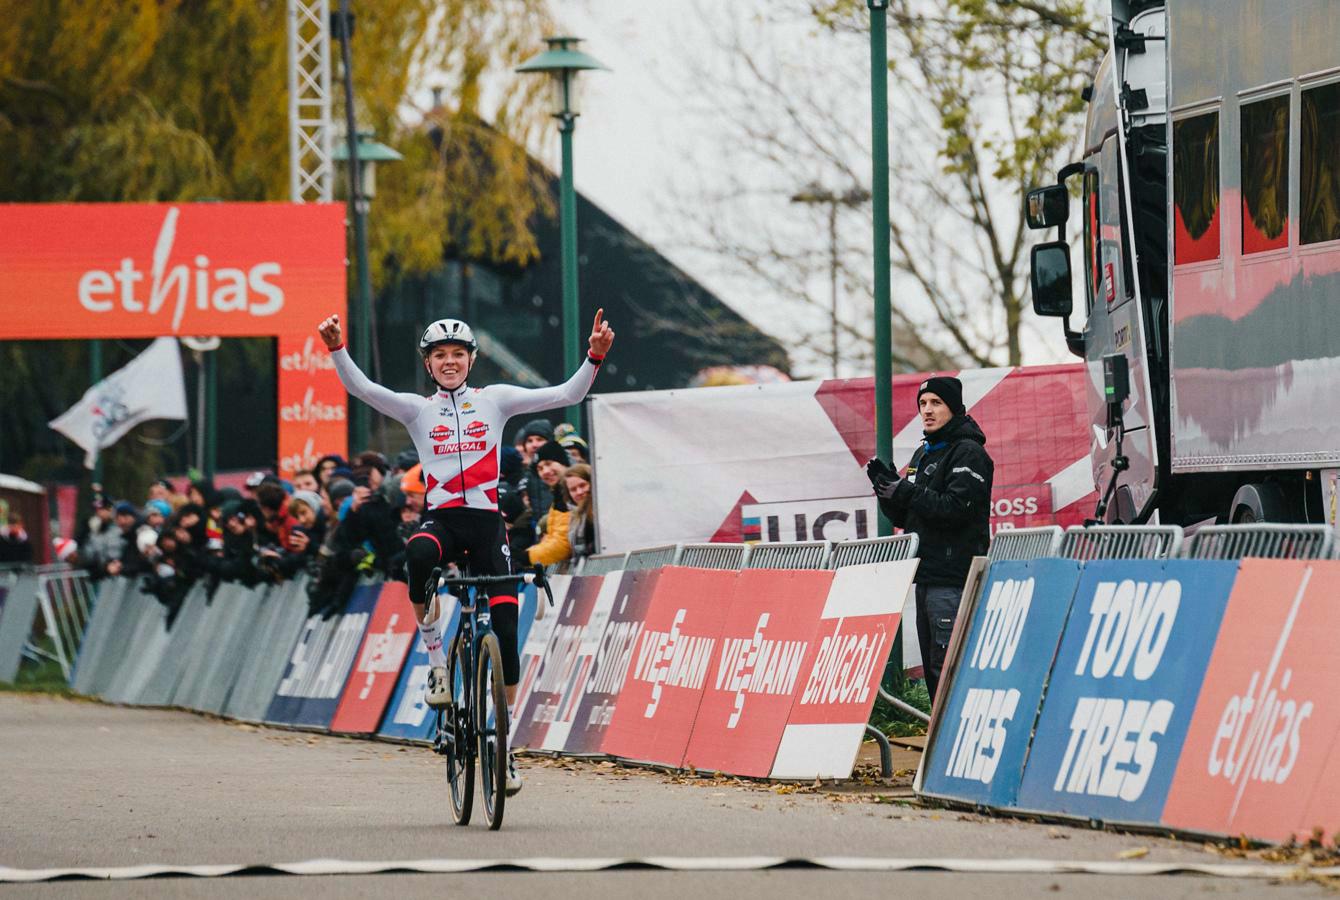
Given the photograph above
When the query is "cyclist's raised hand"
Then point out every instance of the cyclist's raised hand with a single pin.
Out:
(331, 332)
(602, 335)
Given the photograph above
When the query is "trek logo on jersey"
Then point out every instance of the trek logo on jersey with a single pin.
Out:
(476, 429)
(846, 661)
(1260, 731)
(441, 433)
(225, 289)
(757, 665)
(462, 447)
(672, 658)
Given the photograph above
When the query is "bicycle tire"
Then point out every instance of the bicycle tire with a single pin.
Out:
(460, 747)
(492, 753)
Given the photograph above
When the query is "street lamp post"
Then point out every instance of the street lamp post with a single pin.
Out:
(815, 194)
(562, 62)
(362, 157)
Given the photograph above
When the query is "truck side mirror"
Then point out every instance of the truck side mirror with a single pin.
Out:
(1047, 207)
(1050, 279)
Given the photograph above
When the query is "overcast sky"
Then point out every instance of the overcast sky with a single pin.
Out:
(644, 141)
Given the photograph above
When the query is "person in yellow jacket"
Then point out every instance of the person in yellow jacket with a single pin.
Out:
(555, 546)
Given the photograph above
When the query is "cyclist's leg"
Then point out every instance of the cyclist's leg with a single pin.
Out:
(495, 557)
(424, 552)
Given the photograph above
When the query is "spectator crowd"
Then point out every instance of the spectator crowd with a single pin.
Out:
(336, 522)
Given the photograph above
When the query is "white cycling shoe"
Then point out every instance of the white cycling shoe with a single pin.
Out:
(437, 694)
(513, 779)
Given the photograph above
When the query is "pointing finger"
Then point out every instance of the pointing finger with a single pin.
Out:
(600, 315)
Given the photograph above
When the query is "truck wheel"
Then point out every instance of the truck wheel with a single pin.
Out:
(1259, 503)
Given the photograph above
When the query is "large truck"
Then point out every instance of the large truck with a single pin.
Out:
(1209, 195)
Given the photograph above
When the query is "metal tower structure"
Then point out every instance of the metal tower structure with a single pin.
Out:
(311, 172)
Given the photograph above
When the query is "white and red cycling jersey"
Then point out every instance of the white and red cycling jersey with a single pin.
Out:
(459, 433)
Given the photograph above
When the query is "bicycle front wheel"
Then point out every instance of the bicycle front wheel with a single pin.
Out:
(492, 709)
(458, 736)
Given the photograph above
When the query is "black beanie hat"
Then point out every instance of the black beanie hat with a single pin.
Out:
(538, 428)
(552, 451)
(947, 388)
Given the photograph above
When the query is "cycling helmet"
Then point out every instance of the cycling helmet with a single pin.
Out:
(447, 331)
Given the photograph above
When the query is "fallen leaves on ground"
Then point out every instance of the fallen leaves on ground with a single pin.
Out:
(1134, 853)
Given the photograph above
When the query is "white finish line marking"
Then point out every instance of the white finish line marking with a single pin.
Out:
(666, 863)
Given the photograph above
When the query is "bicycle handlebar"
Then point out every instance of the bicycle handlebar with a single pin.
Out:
(534, 576)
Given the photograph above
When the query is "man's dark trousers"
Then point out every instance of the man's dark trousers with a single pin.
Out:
(937, 606)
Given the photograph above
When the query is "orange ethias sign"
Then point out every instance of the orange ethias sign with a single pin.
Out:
(136, 270)
(150, 269)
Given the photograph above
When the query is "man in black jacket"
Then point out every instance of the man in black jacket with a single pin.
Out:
(945, 499)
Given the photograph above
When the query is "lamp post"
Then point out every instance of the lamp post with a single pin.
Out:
(816, 195)
(361, 162)
(206, 401)
(562, 62)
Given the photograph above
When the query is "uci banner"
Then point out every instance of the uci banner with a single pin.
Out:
(1123, 688)
(1262, 756)
(977, 752)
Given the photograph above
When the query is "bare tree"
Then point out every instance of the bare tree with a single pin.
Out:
(985, 104)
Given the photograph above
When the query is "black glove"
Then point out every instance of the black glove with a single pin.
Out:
(883, 478)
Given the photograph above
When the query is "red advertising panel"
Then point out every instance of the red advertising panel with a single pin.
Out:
(755, 670)
(86, 270)
(839, 678)
(313, 407)
(562, 667)
(670, 662)
(613, 659)
(385, 646)
(1268, 716)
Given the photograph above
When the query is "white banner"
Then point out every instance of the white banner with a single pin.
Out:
(151, 386)
(784, 462)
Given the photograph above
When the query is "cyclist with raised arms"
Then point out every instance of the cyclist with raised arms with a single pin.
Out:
(458, 432)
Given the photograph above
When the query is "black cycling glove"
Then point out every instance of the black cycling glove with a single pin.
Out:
(883, 478)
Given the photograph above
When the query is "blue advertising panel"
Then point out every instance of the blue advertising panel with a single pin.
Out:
(407, 716)
(1124, 687)
(981, 740)
(320, 662)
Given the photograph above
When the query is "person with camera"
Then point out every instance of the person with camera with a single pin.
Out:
(458, 433)
(944, 498)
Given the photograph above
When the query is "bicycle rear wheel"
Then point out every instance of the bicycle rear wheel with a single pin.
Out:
(458, 738)
(492, 729)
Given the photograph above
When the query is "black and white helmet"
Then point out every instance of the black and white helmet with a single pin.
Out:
(447, 331)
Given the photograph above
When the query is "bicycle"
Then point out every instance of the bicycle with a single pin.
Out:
(474, 723)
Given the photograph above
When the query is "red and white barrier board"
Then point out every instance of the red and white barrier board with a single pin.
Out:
(756, 669)
(376, 670)
(784, 462)
(842, 670)
(1267, 724)
(670, 663)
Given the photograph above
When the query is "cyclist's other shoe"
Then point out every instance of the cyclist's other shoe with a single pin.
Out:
(513, 778)
(438, 693)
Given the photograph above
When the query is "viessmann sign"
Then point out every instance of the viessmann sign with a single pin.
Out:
(138, 270)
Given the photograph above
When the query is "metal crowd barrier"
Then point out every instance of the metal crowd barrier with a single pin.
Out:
(715, 556)
(1022, 544)
(65, 596)
(1263, 541)
(1121, 542)
(653, 557)
(602, 564)
(872, 550)
(793, 555)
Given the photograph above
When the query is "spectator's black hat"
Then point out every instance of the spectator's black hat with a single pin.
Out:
(407, 459)
(552, 451)
(224, 494)
(167, 485)
(538, 428)
(337, 489)
(947, 388)
(231, 509)
(510, 462)
(126, 508)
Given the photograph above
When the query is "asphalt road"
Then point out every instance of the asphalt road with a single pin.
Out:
(84, 784)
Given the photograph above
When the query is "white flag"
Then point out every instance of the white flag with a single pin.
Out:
(149, 387)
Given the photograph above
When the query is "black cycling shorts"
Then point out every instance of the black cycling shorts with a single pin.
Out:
(474, 539)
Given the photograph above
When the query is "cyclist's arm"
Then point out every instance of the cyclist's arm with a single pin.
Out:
(514, 401)
(401, 407)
